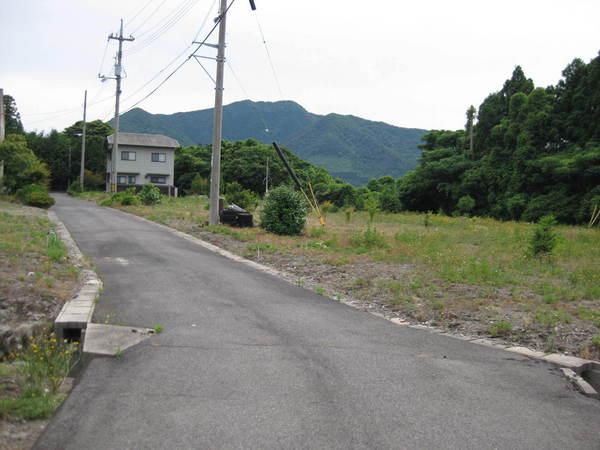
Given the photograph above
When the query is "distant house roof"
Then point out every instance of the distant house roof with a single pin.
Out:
(144, 140)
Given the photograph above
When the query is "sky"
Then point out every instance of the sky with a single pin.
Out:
(416, 64)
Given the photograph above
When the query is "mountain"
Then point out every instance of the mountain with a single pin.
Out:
(352, 148)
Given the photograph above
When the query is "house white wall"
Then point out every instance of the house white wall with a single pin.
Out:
(143, 166)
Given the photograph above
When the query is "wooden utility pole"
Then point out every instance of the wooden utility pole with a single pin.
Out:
(118, 69)
(82, 170)
(215, 171)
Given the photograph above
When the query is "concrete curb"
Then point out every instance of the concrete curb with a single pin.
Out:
(76, 313)
(572, 363)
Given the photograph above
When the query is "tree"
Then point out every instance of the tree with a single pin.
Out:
(21, 166)
(469, 126)
(12, 118)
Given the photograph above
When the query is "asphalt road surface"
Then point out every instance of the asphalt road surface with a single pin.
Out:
(249, 361)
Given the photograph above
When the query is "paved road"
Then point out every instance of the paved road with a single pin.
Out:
(249, 361)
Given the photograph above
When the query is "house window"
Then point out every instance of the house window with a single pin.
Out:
(159, 157)
(126, 179)
(127, 156)
(158, 179)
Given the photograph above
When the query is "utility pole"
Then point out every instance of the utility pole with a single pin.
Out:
(118, 69)
(82, 170)
(1, 115)
(69, 172)
(215, 172)
(1, 132)
(267, 178)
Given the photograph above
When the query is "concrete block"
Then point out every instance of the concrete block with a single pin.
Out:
(110, 340)
(565, 360)
(526, 352)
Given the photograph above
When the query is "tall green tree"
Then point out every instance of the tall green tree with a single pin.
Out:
(12, 117)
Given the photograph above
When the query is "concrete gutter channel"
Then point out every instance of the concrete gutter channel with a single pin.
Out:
(74, 321)
(111, 340)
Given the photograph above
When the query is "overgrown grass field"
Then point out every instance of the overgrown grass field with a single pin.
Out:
(473, 275)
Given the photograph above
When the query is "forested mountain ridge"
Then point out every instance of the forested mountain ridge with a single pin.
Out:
(352, 148)
(535, 151)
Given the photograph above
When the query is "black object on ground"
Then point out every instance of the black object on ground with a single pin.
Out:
(236, 216)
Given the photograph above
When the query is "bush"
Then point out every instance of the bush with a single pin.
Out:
(237, 195)
(35, 195)
(199, 186)
(74, 188)
(465, 205)
(369, 239)
(389, 200)
(125, 198)
(284, 212)
(150, 195)
(543, 240)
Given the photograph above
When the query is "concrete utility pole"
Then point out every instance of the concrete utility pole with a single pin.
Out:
(1, 132)
(215, 172)
(118, 68)
(1, 115)
(82, 170)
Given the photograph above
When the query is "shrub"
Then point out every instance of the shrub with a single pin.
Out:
(372, 206)
(370, 238)
(150, 195)
(199, 186)
(284, 212)
(502, 328)
(237, 195)
(348, 213)
(465, 205)
(543, 239)
(74, 188)
(124, 198)
(35, 195)
(389, 200)
(327, 207)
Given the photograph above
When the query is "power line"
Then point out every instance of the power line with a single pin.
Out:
(128, 22)
(183, 7)
(262, 35)
(149, 17)
(164, 28)
(184, 61)
(260, 115)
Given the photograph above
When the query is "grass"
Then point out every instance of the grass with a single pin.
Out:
(445, 267)
(500, 329)
(33, 262)
(158, 328)
(30, 407)
(35, 277)
(37, 373)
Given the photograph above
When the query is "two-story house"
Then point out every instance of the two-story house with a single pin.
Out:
(143, 158)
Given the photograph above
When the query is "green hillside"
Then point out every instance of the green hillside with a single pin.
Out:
(352, 148)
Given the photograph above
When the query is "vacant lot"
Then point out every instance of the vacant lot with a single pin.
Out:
(469, 275)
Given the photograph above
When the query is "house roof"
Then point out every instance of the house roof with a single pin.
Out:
(144, 140)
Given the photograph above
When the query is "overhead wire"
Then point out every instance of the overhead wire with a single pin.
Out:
(264, 41)
(129, 21)
(149, 17)
(185, 50)
(260, 115)
(162, 26)
(199, 45)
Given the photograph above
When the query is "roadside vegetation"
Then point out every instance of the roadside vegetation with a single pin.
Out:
(533, 284)
(36, 278)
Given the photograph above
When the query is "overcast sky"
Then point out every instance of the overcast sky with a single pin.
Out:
(408, 63)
